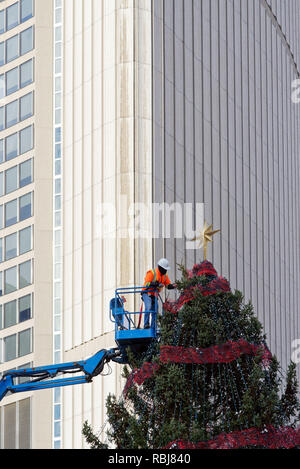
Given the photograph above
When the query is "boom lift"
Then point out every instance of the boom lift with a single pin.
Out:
(127, 335)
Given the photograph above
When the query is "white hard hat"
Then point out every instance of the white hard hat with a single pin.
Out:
(164, 264)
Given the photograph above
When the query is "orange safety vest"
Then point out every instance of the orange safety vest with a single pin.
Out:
(154, 275)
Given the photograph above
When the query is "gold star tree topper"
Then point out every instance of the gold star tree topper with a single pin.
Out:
(205, 237)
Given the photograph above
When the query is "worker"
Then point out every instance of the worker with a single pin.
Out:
(155, 280)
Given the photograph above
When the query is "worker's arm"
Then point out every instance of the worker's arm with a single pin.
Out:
(168, 284)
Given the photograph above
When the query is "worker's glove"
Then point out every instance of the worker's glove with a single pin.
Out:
(171, 287)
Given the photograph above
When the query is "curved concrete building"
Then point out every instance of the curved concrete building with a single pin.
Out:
(163, 103)
(226, 133)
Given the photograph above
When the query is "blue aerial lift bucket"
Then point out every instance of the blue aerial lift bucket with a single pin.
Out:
(127, 333)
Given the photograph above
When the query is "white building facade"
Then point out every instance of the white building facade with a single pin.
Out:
(108, 103)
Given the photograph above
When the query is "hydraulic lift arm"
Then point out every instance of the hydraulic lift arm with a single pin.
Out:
(43, 377)
(53, 376)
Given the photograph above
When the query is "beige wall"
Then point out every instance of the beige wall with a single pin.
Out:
(107, 154)
(43, 335)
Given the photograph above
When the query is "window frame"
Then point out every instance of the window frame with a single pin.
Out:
(15, 57)
(14, 25)
(12, 235)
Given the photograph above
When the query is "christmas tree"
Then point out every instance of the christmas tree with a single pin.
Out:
(208, 381)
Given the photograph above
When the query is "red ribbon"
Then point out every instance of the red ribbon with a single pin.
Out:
(138, 376)
(225, 353)
(270, 438)
(217, 285)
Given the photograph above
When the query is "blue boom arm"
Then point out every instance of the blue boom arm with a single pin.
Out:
(127, 335)
(43, 377)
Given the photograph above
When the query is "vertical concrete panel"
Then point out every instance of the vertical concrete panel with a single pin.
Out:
(78, 171)
(68, 182)
(245, 148)
(36, 425)
(87, 171)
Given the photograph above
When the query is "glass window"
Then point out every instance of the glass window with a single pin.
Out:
(12, 113)
(58, 220)
(2, 53)
(58, 116)
(2, 21)
(26, 173)
(10, 314)
(25, 240)
(25, 308)
(2, 86)
(12, 48)
(25, 274)
(58, 237)
(58, 66)
(11, 180)
(57, 324)
(1, 250)
(2, 118)
(12, 16)
(58, 254)
(24, 345)
(57, 271)
(57, 307)
(58, 134)
(26, 140)
(11, 146)
(57, 290)
(1, 151)
(58, 186)
(1, 322)
(26, 106)
(25, 207)
(11, 213)
(1, 185)
(57, 100)
(1, 217)
(58, 15)
(58, 34)
(26, 38)
(26, 73)
(58, 84)
(57, 342)
(57, 202)
(57, 412)
(12, 81)
(10, 280)
(26, 10)
(57, 430)
(11, 246)
(58, 168)
(58, 49)
(10, 348)
(21, 380)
